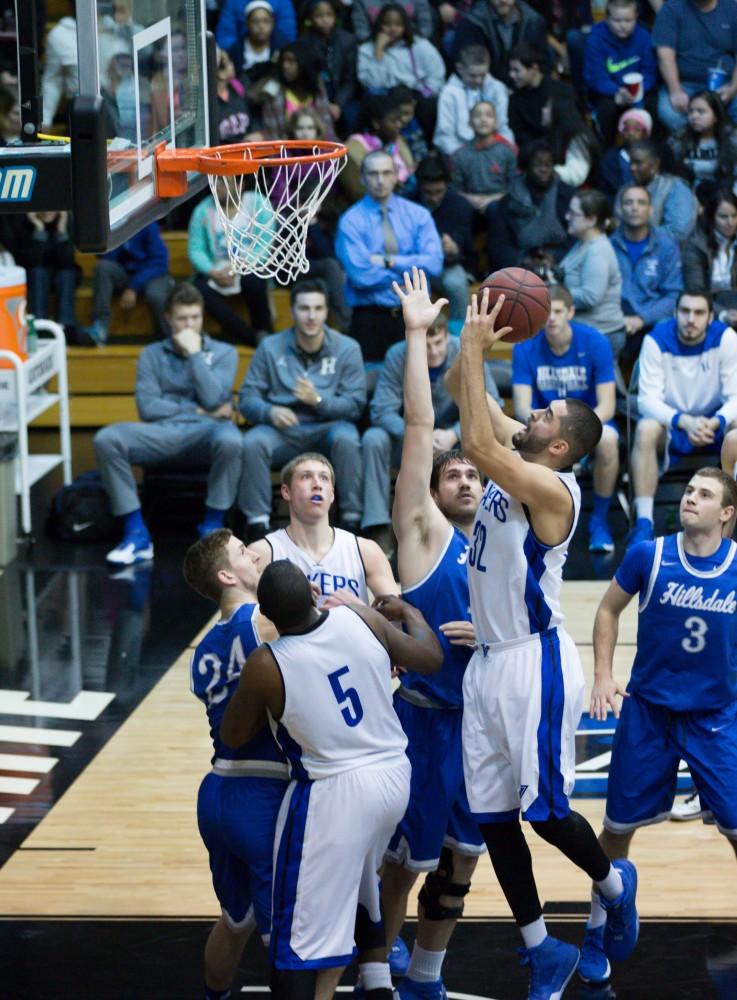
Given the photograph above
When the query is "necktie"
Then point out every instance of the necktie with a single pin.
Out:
(391, 246)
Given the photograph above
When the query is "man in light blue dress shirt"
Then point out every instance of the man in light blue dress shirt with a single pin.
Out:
(379, 238)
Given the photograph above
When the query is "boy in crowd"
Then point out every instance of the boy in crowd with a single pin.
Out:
(472, 82)
(483, 168)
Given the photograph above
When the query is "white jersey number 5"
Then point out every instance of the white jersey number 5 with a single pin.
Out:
(697, 629)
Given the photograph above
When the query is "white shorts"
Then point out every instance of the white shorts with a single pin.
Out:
(331, 836)
(522, 702)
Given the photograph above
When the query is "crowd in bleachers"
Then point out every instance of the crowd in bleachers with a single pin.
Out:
(592, 143)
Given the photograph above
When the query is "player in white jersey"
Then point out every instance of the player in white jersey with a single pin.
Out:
(326, 685)
(523, 689)
(341, 564)
(435, 505)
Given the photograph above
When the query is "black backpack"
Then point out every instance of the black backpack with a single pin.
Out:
(81, 511)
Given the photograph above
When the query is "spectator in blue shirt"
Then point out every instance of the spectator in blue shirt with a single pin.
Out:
(691, 37)
(650, 264)
(379, 238)
(140, 266)
(570, 360)
(616, 47)
(230, 33)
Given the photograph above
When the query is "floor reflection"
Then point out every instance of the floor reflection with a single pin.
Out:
(79, 649)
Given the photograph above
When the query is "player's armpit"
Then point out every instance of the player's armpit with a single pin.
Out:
(546, 497)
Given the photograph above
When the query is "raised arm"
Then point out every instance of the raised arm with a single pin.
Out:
(418, 524)
(504, 427)
(532, 484)
(606, 629)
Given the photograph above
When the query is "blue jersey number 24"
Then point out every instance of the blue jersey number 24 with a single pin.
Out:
(353, 711)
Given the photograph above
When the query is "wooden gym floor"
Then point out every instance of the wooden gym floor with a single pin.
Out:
(98, 829)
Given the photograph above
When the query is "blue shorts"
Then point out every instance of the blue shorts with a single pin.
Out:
(237, 818)
(438, 813)
(649, 742)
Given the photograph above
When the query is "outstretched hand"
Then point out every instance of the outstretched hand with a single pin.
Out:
(418, 310)
(479, 327)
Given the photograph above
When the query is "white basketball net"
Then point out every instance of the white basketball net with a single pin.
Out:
(266, 214)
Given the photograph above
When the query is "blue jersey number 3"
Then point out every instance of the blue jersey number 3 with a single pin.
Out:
(353, 712)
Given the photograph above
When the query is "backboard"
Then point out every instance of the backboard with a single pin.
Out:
(143, 78)
(144, 67)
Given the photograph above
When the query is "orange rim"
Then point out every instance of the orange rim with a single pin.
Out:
(172, 165)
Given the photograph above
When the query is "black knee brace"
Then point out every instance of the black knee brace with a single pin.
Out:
(440, 883)
(367, 934)
(293, 984)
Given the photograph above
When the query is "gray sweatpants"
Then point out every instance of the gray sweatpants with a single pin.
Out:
(266, 448)
(380, 452)
(110, 277)
(217, 443)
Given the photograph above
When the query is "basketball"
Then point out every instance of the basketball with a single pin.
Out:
(527, 302)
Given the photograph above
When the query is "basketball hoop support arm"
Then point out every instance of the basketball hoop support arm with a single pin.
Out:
(28, 79)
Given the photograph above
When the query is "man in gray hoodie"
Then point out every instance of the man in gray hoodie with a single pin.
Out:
(304, 391)
(184, 388)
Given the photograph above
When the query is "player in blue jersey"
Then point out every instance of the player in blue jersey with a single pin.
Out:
(681, 700)
(239, 799)
(326, 685)
(568, 360)
(434, 508)
(523, 687)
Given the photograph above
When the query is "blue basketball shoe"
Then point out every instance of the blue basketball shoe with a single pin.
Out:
(622, 923)
(552, 964)
(409, 989)
(594, 967)
(399, 958)
(643, 531)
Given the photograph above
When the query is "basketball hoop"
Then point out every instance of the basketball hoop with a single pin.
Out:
(266, 194)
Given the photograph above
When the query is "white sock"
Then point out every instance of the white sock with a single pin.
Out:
(425, 966)
(644, 507)
(612, 885)
(259, 519)
(535, 933)
(375, 976)
(597, 917)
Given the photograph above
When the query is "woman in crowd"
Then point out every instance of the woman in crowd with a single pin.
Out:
(710, 255)
(383, 119)
(590, 270)
(220, 286)
(396, 55)
(9, 116)
(258, 43)
(707, 146)
(298, 85)
(337, 49)
(234, 118)
(614, 167)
